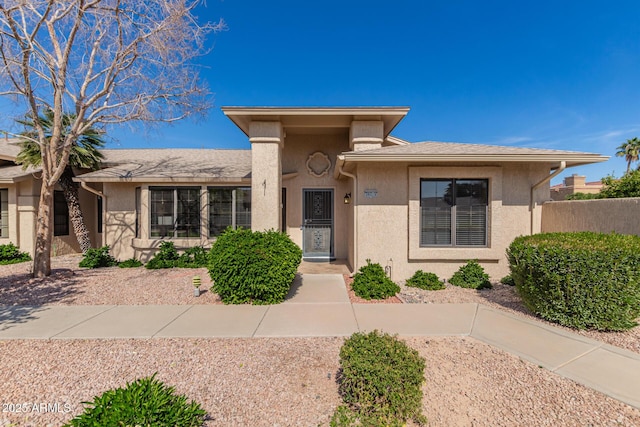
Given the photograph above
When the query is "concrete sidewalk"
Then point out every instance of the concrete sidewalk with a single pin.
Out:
(321, 307)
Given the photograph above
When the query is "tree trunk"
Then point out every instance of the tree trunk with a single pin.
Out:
(70, 190)
(44, 233)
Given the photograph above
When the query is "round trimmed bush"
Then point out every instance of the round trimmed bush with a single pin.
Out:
(144, 402)
(471, 275)
(371, 282)
(255, 267)
(380, 380)
(428, 281)
(583, 280)
(98, 258)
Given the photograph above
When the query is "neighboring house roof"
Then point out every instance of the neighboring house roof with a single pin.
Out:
(9, 149)
(172, 165)
(458, 152)
(12, 174)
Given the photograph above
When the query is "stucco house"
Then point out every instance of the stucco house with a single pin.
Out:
(333, 178)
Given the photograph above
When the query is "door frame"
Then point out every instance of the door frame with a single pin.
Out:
(331, 255)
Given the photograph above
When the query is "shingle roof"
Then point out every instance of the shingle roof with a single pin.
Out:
(458, 152)
(172, 165)
(9, 149)
(449, 148)
(10, 174)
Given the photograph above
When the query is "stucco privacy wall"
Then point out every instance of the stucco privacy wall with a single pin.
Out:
(297, 150)
(388, 223)
(603, 216)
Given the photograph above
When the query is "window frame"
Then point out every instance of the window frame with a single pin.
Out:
(234, 222)
(174, 230)
(454, 219)
(60, 210)
(4, 212)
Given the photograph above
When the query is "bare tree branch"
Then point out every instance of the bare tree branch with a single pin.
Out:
(107, 62)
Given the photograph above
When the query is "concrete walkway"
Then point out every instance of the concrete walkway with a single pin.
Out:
(318, 305)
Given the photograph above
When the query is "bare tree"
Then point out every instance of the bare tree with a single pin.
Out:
(107, 62)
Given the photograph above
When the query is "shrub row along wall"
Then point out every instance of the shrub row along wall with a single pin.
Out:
(601, 215)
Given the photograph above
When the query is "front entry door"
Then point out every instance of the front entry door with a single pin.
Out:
(317, 226)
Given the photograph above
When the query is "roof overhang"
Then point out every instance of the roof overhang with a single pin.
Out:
(314, 119)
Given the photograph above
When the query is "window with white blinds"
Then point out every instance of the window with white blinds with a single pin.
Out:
(453, 212)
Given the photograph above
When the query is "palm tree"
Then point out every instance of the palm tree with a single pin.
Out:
(630, 150)
(85, 154)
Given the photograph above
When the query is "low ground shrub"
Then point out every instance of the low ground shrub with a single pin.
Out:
(255, 267)
(168, 257)
(130, 263)
(508, 280)
(144, 402)
(194, 257)
(98, 258)
(165, 257)
(471, 275)
(428, 281)
(583, 280)
(371, 282)
(10, 254)
(380, 382)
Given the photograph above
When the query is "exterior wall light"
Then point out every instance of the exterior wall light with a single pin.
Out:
(347, 198)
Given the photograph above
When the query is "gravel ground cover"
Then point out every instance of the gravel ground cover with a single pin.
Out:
(274, 382)
(505, 298)
(291, 382)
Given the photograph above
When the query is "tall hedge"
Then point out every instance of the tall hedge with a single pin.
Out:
(253, 266)
(583, 280)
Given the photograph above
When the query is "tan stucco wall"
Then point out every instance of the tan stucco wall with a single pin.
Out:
(388, 224)
(602, 215)
(297, 149)
(266, 175)
(120, 218)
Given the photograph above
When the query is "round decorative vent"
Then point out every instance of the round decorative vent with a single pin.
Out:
(318, 164)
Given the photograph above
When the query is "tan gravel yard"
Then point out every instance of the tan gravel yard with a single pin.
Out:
(275, 382)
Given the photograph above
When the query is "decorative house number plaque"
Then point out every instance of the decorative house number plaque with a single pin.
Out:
(370, 194)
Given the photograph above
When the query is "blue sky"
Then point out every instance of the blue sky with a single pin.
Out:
(548, 74)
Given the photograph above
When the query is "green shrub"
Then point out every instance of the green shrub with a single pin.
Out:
(165, 257)
(98, 258)
(370, 282)
(380, 381)
(627, 186)
(508, 280)
(471, 275)
(582, 196)
(583, 280)
(10, 254)
(195, 257)
(130, 263)
(428, 281)
(253, 266)
(145, 402)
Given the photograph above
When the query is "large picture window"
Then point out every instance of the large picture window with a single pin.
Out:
(229, 207)
(453, 212)
(175, 211)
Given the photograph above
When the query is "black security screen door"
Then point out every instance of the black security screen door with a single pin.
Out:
(317, 224)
